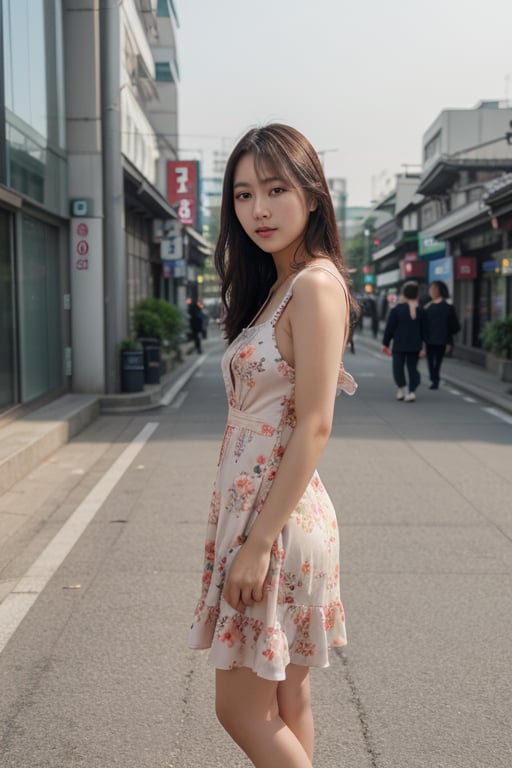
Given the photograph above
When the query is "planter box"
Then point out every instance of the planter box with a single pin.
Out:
(132, 370)
(152, 365)
(500, 366)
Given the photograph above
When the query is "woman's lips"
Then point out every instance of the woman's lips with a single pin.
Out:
(265, 232)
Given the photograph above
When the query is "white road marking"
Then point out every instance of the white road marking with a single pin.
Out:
(178, 402)
(469, 399)
(499, 414)
(454, 391)
(173, 391)
(24, 594)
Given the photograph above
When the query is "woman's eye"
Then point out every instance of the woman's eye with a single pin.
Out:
(242, 196)
(276, 190)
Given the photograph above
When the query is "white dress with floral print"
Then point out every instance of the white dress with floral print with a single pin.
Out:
(301, 615)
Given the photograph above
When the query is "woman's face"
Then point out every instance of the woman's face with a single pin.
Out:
(433, 292)
(273, 213)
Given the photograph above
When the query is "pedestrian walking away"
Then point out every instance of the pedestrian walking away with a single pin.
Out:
(442, 325)
(406, 327)
(197, 325)
(353, 321)
(270, 604)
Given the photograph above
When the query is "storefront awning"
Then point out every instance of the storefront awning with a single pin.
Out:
(386, 251)
(447, 170)
(199, 241)
(392, 277)
(499, 195)
(142, 197)
(458, 222)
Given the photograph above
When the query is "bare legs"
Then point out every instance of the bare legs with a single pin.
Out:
(271, 722)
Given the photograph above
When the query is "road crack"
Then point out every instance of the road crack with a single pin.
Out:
(357, 702)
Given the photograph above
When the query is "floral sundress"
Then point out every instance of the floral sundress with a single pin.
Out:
(301, 615)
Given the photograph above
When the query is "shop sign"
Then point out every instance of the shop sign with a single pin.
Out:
(506, 261)
(492, 265)
(440, 269)
(411, 269)
(465, 268)
(428, 246)
(176, 268)
(171, 247)
(183, 189)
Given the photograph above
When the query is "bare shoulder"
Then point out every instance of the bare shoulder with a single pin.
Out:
(320, 280)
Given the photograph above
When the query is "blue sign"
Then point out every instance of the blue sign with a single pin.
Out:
(175, 268)
(440, 269)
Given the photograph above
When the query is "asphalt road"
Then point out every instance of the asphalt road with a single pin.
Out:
(98, 674)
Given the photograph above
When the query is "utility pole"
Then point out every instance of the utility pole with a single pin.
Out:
(113, 193)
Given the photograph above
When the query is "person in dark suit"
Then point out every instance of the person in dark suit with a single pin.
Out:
(442, 325)
(406, 327)
(196, 320)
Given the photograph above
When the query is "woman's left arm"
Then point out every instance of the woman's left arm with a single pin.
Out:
(318, 318)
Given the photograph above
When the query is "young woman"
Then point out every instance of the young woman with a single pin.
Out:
(442, 325)
(406, 326)
(270, 606)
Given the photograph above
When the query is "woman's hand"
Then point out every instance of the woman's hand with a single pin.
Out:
(246, 576)
(386, 350)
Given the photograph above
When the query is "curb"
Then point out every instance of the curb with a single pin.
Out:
(29, 441)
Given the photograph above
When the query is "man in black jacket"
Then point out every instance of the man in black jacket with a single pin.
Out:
(406, 326)
(442, 325)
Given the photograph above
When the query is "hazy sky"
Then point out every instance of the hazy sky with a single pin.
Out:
(364, 78)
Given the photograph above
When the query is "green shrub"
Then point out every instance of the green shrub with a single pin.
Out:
(131, 345)
(156, 318)
(497, 337)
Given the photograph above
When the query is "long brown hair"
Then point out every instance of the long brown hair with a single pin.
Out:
(247, 273)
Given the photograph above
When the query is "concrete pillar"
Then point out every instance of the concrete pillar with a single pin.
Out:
(81, 23)
(114, 238)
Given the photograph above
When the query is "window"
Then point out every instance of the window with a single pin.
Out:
(433, 148)
(165, 8)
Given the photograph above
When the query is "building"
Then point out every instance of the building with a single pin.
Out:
(338, 190)
(88, 126)
(452, 221)
(466, 154)
(394, 248)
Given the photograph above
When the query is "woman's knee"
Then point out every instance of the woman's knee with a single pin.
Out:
(226, 714)
(294, 694)
(240, 706)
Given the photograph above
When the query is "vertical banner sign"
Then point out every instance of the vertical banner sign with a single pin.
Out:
(182, 189)
(87, 306)
(171, 247)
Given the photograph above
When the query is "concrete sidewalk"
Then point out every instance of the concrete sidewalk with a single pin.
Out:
(26, 442)
(468, 377)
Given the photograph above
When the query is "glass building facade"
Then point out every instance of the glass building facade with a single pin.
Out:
(33, 200)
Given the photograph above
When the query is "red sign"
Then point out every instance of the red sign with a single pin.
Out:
(465, 268)
(413, 268)
(182, 189)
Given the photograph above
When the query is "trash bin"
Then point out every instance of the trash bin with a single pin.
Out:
(152, 358)
(132, 370)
